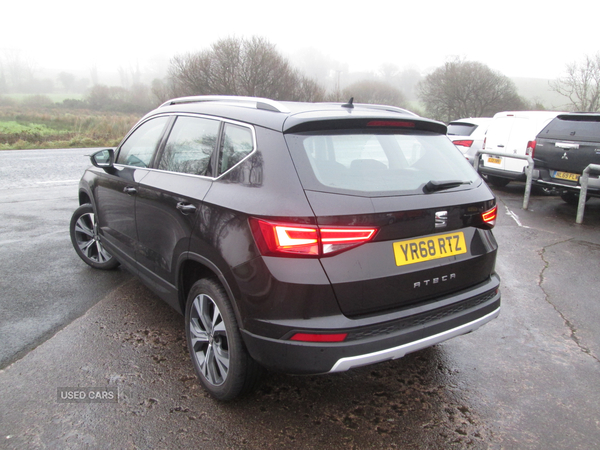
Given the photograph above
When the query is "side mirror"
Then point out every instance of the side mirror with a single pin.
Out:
(104, 159)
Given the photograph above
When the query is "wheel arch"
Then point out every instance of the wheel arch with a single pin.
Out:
(84, 197)
(191, 268)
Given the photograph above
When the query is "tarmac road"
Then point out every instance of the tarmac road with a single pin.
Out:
(43, 286)
(528, 379)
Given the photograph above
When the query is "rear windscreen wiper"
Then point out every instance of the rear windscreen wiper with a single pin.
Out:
(434, 186)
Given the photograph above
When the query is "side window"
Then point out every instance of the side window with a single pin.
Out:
(190, 146)
(237, 144)
(138, 149)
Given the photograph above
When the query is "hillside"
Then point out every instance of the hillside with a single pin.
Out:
(538, 90)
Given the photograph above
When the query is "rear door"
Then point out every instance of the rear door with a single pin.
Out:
(522, 131)
(169, 199)
(496, 140)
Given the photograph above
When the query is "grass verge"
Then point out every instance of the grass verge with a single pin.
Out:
(28, 128)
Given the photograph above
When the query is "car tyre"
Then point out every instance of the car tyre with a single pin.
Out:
(220, 359)
(497, 181)
(572, 198)
(84, 236)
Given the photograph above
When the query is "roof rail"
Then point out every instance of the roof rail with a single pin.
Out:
(257, 102)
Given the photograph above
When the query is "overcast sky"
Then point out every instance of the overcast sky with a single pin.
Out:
(518, 38)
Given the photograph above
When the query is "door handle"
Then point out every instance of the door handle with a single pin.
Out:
(130, 190)
(186, 208)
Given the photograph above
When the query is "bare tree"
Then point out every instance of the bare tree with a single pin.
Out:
(467, 89)
(375, 92)
(581, 84)
(232, 66)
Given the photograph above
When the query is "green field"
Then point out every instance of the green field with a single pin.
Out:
(28, 128)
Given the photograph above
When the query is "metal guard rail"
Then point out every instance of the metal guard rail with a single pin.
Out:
(593, 169)
(528, 171)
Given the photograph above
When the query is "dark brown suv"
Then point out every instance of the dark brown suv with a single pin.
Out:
(305, 238)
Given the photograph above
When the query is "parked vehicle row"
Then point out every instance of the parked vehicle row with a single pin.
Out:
(561, 145)
(511, 132)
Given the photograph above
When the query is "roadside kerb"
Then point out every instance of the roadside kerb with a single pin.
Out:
(528, 171)
(593, 169)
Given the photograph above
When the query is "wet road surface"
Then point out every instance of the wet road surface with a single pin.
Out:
(525, 380)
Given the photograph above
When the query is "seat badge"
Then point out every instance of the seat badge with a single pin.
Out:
(441, 219)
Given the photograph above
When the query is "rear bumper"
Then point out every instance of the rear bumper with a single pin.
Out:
(513, 176)
(380, 338)
(542, 177)
(344, 364)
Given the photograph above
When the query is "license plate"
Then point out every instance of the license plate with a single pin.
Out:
(566, 176)
(413, 251)
(495, 160)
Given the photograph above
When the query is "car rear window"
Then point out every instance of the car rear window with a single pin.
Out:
(461, 129)
(573, 128)
(377, 164)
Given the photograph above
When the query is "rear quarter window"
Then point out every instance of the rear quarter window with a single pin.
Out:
(377, 164)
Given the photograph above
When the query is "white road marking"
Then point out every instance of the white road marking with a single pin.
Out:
(514, 217)
(56, 181)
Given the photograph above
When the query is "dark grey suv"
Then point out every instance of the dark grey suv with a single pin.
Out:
(562, 151)
(304, 238)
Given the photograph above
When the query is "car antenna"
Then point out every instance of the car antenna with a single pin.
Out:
(350, 103)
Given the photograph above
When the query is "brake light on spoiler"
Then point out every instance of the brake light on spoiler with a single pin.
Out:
(391, 123)
(284, 239)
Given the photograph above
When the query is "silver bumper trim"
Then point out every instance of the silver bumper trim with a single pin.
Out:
(344, 364)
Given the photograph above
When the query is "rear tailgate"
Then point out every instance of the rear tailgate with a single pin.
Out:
(417, 190)
(562, 157)
(410, 261)
(568, 145)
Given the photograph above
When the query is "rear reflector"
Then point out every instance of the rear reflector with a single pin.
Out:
(281, 239)
(391, 123)
(309, 337)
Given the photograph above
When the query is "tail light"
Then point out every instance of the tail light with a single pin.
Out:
(484, 142)
(281, 239)
(530, 148)
(463, 143)
(489, 217)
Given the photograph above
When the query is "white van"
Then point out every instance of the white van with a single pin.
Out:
(511, 132)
